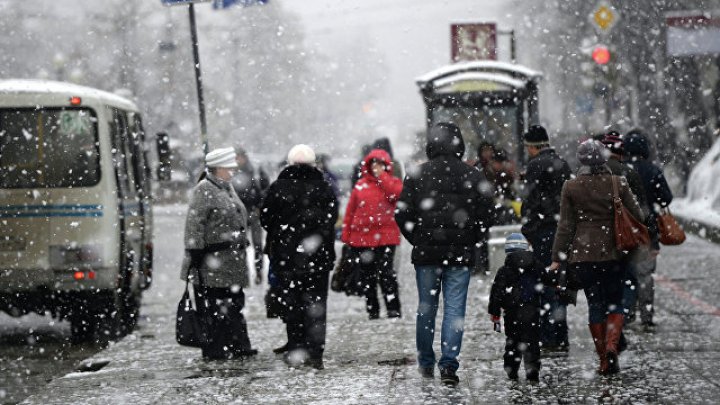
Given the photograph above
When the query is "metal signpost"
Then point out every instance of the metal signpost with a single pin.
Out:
(198, 72)
(217, 4)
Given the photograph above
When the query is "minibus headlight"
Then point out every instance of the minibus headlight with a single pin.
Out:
(75, 256)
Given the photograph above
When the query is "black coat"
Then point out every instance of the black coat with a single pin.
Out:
(619, 168)
(544, 178)
(299, 214)
(446, 206)
(517, 283)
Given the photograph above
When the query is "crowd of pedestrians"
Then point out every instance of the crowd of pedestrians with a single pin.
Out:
(444, 208)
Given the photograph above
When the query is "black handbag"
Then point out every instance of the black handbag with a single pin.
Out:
(191, 328)
(341, 271)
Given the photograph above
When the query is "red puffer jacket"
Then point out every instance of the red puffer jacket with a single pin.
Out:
(370, 215)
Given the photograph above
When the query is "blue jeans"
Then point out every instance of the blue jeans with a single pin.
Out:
(453, 281)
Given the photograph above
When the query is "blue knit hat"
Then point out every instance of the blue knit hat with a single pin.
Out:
(515, 242)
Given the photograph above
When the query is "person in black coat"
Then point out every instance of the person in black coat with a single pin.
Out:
(444, 209)
(657, 197)
(516, 292)
(545, 175)
(248, 184)
(299, 215)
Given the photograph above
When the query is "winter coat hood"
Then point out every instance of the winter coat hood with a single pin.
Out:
(445, 139)
(636, 144)
(376, 154)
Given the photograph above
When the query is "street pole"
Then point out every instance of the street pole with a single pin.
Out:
(513, 56)
(513, 46)
(198, 79)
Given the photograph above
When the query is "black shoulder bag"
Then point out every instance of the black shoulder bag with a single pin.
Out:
(190, 326)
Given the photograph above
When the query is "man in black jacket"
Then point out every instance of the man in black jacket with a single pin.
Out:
(544, 177)
(299, 215)
(657, 197)
(443, 211)
(613, 141)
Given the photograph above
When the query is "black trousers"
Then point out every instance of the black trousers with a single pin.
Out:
(226, 324)
(376, 265)
(306, 318)
(522, 339)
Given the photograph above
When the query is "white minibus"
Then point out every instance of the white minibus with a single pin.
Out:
(75, 206)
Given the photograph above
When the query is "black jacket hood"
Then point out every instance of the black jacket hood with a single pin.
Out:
(445, 139)
(636, 144)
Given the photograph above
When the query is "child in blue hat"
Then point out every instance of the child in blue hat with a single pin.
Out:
(516, 293)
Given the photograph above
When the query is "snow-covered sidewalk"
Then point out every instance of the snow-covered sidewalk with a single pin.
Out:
(370, 362)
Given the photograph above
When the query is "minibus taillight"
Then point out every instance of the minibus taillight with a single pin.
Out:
(75, 100)
(81, 275)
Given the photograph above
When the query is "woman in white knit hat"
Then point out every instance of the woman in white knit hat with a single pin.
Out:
(215, 242)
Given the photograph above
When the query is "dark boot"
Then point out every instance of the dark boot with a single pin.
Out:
(614, 325)
(622, 344)
(597, 330)
(282, 349)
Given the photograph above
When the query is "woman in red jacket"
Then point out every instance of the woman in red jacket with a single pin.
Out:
(370, 229)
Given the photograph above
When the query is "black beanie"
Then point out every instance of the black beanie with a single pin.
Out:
(536, 136)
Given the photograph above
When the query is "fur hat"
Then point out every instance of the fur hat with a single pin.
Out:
(592, 153)
(222, 157)
(536, 136)
(301, 154)
(515, 242)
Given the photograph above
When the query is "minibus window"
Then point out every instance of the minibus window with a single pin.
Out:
(48, 148)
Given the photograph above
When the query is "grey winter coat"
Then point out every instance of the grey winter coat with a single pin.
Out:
(215, 231)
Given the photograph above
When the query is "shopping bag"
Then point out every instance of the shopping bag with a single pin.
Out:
(671, 233)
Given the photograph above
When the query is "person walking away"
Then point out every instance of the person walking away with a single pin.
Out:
(215, 242)
(613, 141)
(585, 239)
(299, 214)
(444, 209)
(516, 292)
(323, 164)
(657, 197)
(544, 177)
(369, 228)
(485, 153)
(247, 186)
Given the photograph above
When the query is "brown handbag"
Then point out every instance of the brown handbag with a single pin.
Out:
(671, 233)
(629, 232)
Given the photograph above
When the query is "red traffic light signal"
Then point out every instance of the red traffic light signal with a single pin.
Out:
(601, 55)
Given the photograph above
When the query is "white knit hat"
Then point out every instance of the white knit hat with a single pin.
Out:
(222, 157)
(301, 154)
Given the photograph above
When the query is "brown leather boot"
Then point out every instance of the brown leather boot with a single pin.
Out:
(614, 325)
(597, 330)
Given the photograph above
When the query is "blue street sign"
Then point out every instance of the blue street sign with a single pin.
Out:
(220, 4)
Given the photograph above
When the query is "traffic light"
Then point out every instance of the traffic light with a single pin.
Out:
(601, 54)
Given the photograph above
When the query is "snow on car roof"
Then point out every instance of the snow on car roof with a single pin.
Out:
(70, 89)
(478, 66)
